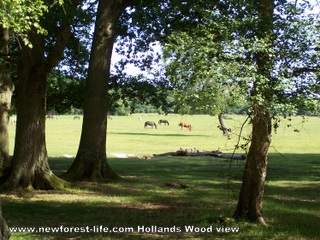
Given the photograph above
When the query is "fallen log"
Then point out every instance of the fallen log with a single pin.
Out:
(196, 153)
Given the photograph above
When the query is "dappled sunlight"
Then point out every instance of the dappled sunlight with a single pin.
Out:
(173, 191)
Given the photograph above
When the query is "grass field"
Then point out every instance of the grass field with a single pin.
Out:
(169, 194)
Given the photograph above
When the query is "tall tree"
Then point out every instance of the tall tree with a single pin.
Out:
(29, 168)
(91, 161)
(264, 51)
(251, 194)
(6, 90)
(16, 17)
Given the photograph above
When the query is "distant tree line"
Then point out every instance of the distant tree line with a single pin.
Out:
(65, 95)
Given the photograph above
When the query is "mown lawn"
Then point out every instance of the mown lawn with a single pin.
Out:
(173, 193)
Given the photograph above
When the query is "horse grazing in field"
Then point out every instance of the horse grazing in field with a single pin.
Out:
(163, 121)
(50, 116)
(76, 117)
(185, 125)
(150, 123)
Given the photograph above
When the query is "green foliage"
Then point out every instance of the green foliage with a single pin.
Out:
(135, 91)
(21, 16)
(142, 30)
(203, 70)
(217, 63)
(64, 93)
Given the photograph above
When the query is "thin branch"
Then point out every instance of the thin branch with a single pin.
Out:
(55, 55)
(237, 145)
(298, 71)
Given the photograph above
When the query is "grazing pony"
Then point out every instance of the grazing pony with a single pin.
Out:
(163, 121)
(150, 123)
(76, 117)
(50, 116)
(185, 125)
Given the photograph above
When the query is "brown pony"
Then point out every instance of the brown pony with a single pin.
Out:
(186, 125)
(150, 123)
(76, 117)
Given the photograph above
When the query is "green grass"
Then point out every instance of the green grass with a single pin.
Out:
(153, 193)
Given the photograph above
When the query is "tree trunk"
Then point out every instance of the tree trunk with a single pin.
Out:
(29, 166)
(252, 190)
(223, 126)
(6, 90)
(91, 161)
(4, 230)
(251, 194)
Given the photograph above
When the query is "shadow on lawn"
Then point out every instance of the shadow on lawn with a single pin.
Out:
(144, 199)
(168, 211)
(89, 215)
(129, 203)
(294, 167)
(294, 208)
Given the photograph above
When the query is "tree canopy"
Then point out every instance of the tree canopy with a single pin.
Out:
(21, 16)
(218, 59)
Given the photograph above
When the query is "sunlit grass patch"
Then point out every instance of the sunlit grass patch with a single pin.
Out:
(175, 191)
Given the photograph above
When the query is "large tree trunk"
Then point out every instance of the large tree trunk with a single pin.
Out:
(4, 230)
(6, 90)
(251, 194)
(91, 161)
(30, 167)
(252, 190)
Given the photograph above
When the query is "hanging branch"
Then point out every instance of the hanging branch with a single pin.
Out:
(237, 145)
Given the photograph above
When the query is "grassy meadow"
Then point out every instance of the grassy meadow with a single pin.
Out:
(165, 197)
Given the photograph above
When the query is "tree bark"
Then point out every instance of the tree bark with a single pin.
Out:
(6, 90)
(252, 189)
(223, 126)
(91, 161)
(4, 230)
(30, 167)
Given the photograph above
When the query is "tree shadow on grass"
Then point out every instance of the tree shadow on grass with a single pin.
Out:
(93, 207)
(89, 214)
(294, 167)
(290, 195)
(294, 208)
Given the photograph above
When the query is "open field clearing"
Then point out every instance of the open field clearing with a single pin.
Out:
(126, 134)
(174, 197)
